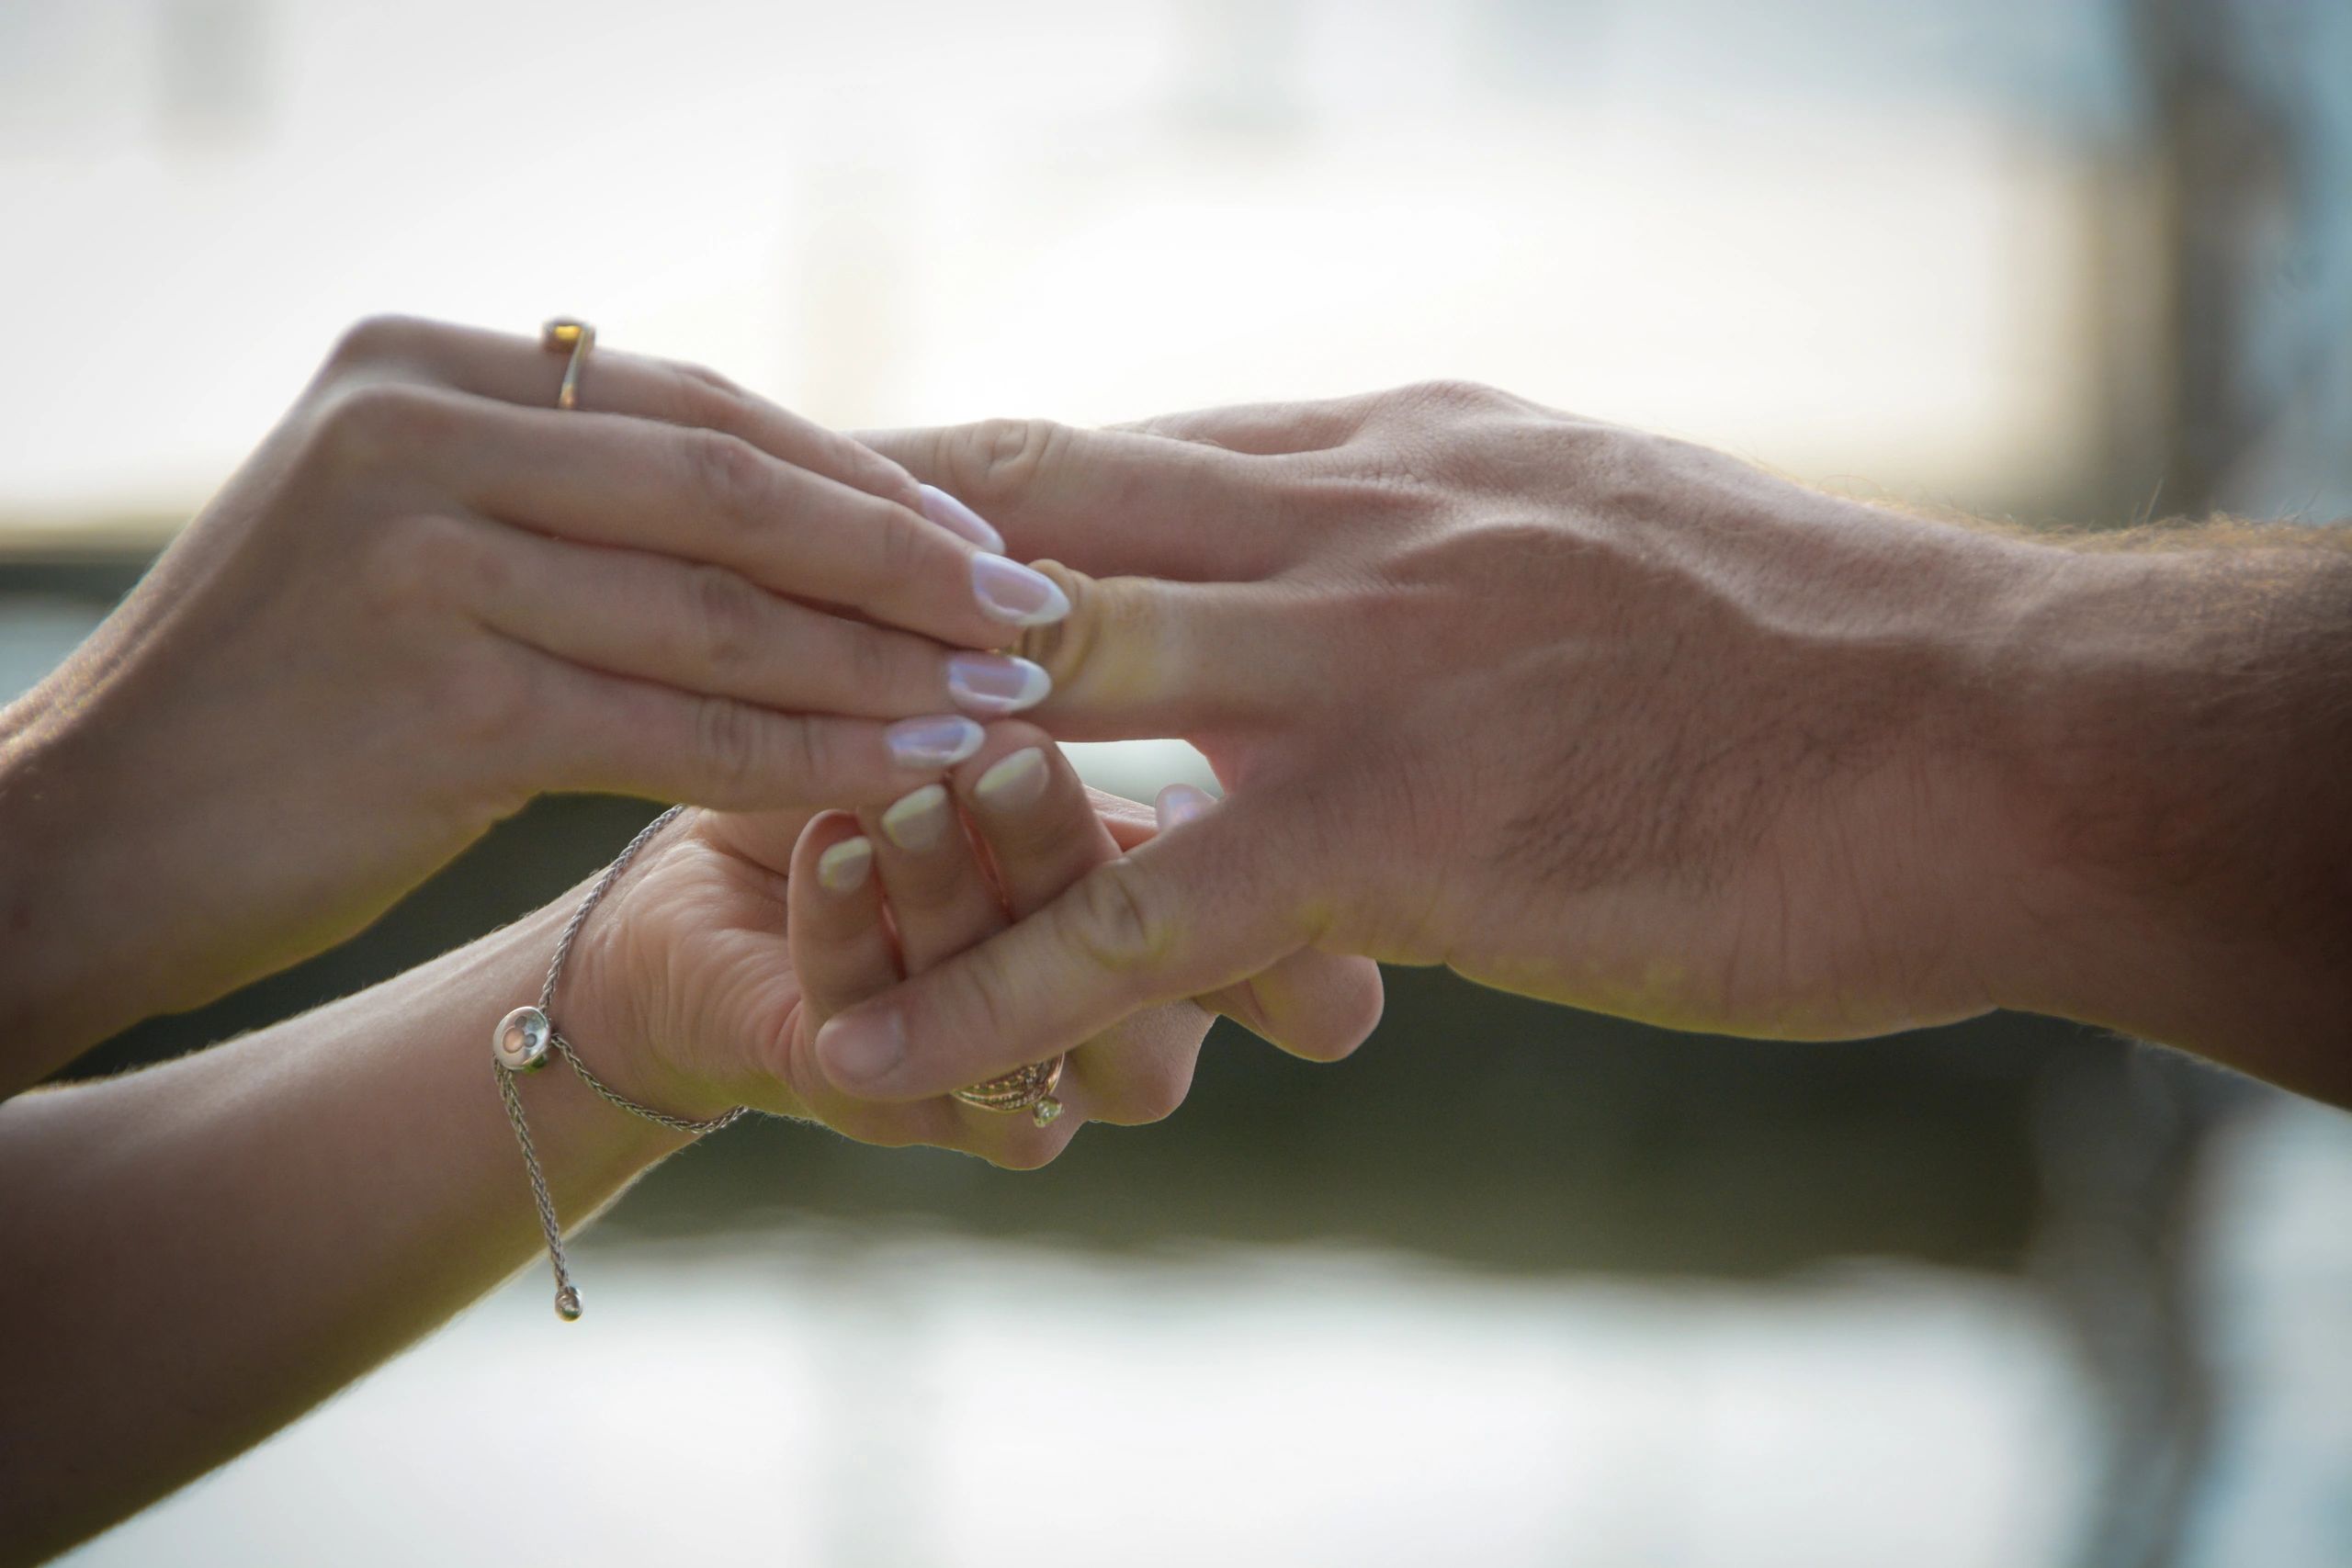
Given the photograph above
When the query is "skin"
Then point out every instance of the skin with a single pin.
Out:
(201, 1251)
(425, 598)
(1604, 717)
(428, 597)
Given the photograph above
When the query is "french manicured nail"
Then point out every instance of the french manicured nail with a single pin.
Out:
(914, 821)
(1014, 782)
(856, 1049)
(1010, 592)
(957, 518)
(1179, 804)
(842, 868)
(994, 683)
(939, 743)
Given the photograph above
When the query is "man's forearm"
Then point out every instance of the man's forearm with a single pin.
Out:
(199, 1253)
(2184, 768)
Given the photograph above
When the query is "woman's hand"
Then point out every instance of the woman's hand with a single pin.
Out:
(705, 976)
(429, 596)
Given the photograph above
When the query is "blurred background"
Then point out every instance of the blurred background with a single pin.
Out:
(1517, 1285)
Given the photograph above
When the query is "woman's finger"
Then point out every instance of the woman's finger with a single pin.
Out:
(709, 497)
(569, 727)
(708, 630)
(840, 946)
(1028, 807)
(1043, 833)
(940, 897)
(515, 369)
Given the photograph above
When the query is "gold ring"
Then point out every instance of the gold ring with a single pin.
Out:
(565, 335)
(1029, 1088)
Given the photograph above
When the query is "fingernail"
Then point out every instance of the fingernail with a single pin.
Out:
(1010, 592)
(842, 868)
(939, 743)
(957, 518)
(1179, 804)
(1014, 782)
(996, 684)
(857, 1048)
(914, 821)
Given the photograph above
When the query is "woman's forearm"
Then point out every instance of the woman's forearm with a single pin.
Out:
(199, 1253)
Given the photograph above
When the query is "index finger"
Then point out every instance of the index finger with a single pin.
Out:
(516, 369)
(701, 495)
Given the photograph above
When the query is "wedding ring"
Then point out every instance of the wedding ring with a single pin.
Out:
(1029, 1088)
(565, 335)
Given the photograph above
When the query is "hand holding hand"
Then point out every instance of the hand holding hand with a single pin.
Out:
(708, 972)
(1580, 712)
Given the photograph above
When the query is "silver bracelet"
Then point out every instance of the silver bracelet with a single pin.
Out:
(525, 1037)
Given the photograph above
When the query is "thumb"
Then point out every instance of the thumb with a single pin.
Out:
(1144, 656)
(1199, 907)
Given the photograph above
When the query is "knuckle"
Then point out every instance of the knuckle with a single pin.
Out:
(727, 472)
(880, 664)
(728, 613)
(900, 547)
(705, 399)
(709, 381)
(485, 702)
(1013, 454)
(416, 562)
(727, 744)
(1453, 392)
(379, 339)
(1117, 921)
(383, 420)
(981, 1005)
(1151, 1094)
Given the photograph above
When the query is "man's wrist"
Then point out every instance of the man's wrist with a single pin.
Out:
(2178, 753)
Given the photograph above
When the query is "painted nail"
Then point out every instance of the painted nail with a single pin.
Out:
(856, 1049)
(1179, 804)
(1010, 592)
(940, 742)
(842, 868)
(994, 683)
(959, 519)
(1014, 782)
(914, 821)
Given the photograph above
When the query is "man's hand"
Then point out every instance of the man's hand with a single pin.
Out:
(1608, 719)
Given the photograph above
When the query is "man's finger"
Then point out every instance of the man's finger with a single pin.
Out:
(1114, 503)
(1141, 657)
(1313, 1004)
(841, 949)
(1194, 910)
(1265, 430)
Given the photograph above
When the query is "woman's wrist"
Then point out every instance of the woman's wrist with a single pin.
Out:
(610, 999)
(77, 930)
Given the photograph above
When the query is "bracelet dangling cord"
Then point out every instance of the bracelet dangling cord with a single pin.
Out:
(525, 1037)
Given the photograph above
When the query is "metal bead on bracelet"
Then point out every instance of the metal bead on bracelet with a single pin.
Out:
(527, 1037)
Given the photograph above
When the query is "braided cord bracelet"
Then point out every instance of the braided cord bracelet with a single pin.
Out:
(527, 1037)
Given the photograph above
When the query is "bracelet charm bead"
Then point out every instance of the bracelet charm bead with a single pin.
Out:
(522, 1039)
